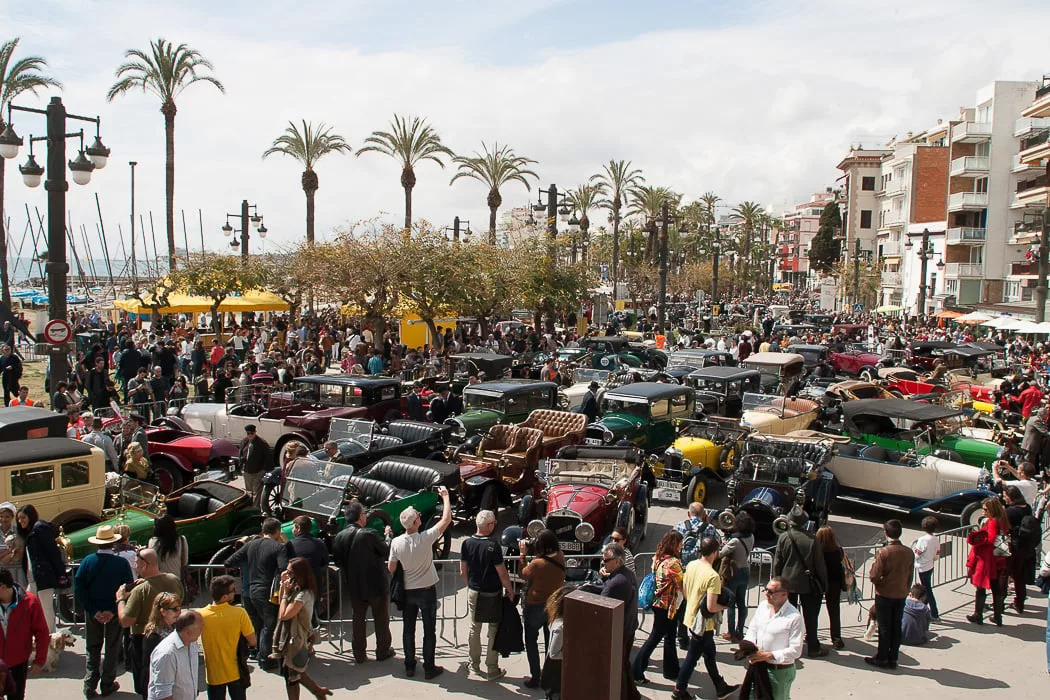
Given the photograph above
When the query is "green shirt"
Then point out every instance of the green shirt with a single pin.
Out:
(140, 601)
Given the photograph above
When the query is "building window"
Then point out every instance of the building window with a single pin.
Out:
(865, 218)
(951, 287)
(868, 183)
(980, 184)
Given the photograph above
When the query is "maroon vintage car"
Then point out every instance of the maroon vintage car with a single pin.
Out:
(586, 492)
(857, 363)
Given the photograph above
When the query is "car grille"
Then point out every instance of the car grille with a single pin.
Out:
(564, 526)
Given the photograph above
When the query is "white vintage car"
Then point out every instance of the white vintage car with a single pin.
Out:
(571, 397)
(777, 415)
(908, 482)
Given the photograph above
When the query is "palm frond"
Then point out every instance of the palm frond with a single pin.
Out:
(23, 76)
(308, 145)
(409, 140)
(166, 70)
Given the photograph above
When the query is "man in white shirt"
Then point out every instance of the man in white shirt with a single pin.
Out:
(174, 664)
(1025, 479)
(414, 550)
(777, 630)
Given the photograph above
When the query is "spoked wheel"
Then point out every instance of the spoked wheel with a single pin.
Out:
(271, 498)
(167, 475)
(287, 448)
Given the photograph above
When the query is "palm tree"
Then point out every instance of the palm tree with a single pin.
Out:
(584, 198)
(616, 180)
(166, 70)
(15, 78)
(494, 169)
(409, 142)
(647, 201)
(751, 213)
(308, 146)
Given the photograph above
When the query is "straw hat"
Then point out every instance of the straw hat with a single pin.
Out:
(105, 534)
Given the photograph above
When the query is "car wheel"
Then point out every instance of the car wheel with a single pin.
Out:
(218, 559)
(280, 454)
(971, 515)
(167, 475)
(69, 609)
(696, 491)
(271, 499)
(490, 499)
(443, 546)
(381, 515)
(642, 517)
(79, 524)
(868, 374)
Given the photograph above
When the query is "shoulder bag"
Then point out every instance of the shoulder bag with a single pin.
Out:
(814, 583)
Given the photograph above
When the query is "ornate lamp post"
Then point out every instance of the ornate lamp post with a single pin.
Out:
(254, 219)
(455, 230)
(925, 255)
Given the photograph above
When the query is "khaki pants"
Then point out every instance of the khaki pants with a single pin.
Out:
(253, 485)
(474, 641)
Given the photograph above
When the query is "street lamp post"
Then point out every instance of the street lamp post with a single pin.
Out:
(715, 248)
(925, 255)
(95, 156)
(455, 229)
(249, 215)
(134, 265)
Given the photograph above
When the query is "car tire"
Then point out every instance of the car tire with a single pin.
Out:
(270, 499)
(382, 515)
(490, 499)
(217, 559)
(971, 514)
(282, 447)
(641, 520)
(69, 609)
(167, 475)
(696, 490)
(79, 524)
(525, 510)
(443, 546)
(868, 374)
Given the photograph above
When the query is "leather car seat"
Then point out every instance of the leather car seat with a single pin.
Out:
(410, 431)
(500, 439)
(405, 475)
(372, 492)
(192, 505)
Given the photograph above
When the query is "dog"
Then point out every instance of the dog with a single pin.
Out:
(872, 633)
(59, 641)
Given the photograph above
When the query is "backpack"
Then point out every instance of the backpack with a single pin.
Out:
(647, 591)
(1028, 532)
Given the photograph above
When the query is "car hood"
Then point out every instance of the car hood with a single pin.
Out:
(953, 476)
(587, 500)
(140, 522)
(479, 419)
(970, 446)
(618, 423)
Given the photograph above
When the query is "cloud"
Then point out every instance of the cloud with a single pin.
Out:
(758, 104)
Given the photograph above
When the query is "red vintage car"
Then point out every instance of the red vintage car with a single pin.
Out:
(857, 363)
(908, 382)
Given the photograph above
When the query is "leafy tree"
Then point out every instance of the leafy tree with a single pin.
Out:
(308, 146)
(427, 264)
(286, 274)
(488, 289)
(494, 169)
(825, 249)
(548, 285)
(21, 76)
(616, 180)
(217, 277)
(409, 141)
(647, 202)
(166, 70)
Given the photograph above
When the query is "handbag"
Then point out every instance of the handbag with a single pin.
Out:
(397, 587)
(1001, 546)
(647, 591)
(488, 607)
(814, 583)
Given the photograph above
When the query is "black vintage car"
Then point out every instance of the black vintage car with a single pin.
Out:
(817, 359)
(720, 390)
(362, 442)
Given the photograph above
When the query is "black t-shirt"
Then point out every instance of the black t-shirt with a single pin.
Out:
(482, 555)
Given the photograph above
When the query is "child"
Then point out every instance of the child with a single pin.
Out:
(926, 551)
(915, 625)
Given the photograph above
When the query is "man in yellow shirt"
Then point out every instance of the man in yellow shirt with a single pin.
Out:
(224, 625)
(702, 584)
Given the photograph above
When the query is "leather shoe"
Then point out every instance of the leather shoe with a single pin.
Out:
(384, 655)
(872, 661)
(677, 694)
(433, 673)
(110, 690)
(532, 683)
(819, 653)
(975, 619)
(410, 671)
(726, 690)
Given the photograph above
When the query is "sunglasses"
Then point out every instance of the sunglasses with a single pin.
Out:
(773, 592)
(173, 609)
(607, 559)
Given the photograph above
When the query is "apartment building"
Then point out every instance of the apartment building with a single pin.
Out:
(861, 172)
(1031, 192)
(793, 241)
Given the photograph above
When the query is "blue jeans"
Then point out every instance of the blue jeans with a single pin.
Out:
(420, 602)
(700, 646)
(263, 615)
(736, 614)
(663, 631)
(534, 618)
(926, 579)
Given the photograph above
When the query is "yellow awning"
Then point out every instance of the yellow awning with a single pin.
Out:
(185, 303)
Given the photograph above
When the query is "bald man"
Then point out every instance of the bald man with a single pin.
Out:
(135, 603)
(173, 667)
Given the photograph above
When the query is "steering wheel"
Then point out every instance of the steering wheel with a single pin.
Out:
(713, 433)
(352, 493)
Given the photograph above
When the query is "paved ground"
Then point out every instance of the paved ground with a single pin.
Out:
(963, 661)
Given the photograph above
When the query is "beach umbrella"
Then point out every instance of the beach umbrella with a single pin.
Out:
(972, 317)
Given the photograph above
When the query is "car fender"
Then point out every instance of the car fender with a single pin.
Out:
(955, 501)
(224, 447)
(177, 460)
(272, 477)
(706, 473)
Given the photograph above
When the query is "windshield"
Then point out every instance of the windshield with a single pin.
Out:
(591, 375)
(316, 487)
(714, 386)
(867, 392)
(634, 408)
(493, 402)
(810, 355)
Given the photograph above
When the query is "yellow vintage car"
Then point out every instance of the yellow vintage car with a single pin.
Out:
(778, 415)
(703, 454)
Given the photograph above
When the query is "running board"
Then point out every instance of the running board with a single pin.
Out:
(884, 506)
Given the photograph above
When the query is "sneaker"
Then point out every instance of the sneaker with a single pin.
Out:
(476, 670)
(532, 682)
(677, 694)
(495, 675)
(975, 619)
(726, 690)
(433, 673)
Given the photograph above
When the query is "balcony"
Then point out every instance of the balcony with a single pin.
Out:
(969, 165)
(971, 132)
(1025, 126)
(890, 249)
(1040, 106)
(964, 270)
(963, 201)
(1035, 147)
(1032, 193)
(1024, 268)
(964, 235)
(894, 219)
(891, 279)
(1020, 166)
(1025, 232)
(893, 189)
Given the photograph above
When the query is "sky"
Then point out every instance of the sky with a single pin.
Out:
(754, 100)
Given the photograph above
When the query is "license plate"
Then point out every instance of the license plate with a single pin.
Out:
(667, 494)
(571, 546)
(592, 441)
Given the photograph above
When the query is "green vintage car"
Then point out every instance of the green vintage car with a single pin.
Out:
(205, 511)
(644, 413)
(900, 424)
(505, 401)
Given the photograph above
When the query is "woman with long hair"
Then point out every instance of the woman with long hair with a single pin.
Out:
(550, 679)
(173, 551)
(298, 594)
(42, 564)
(135, 463)
(668, 599)
(738, 549)
(161, 622)
(829, 546)
(985, 567)
(545, 574)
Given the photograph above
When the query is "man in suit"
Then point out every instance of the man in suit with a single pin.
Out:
(361, 555)
(255, 460)
(589, 406)
(891, 573)
(799, 560)
(414, 404)
(439, 406)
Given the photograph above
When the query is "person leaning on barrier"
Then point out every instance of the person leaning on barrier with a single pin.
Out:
(891, 573)
(483, 572)
(361, 555)
(619, 583)
(104, 442)
(777, 631)
(414, 551)
(544, 575)
(312, 549)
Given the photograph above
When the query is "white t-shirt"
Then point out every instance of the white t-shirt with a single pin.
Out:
(1028, 488)
(925, 549)
(416, 554)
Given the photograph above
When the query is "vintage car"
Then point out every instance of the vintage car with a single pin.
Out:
(486, 404)
(817, 359)
(720, 390)
(570, 398)
(474, 364)
(823, 322)
(776, 475)
(924, 355)
(362, 442)
(794, 330)
(703, 454)
(903, 425)
(855, 389)
(778, 415)
(907, 382)
(643, 414)
(781, 371)
(64, 479)
(587, 491)
(857, 362)
(29, 422)
(908, 481)
(300, 416)
(701, 357)
(205, 513)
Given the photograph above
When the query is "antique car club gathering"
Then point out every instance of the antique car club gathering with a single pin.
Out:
(618, 431)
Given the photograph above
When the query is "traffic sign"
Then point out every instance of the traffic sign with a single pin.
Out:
(57, 331)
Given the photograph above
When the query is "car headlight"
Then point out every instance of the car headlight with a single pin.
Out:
(584, 532)
(1001, 453)
(534, 528)
(608, 435)
(572, 563)
(460, 430)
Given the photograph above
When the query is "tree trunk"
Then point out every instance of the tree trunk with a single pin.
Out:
(483, 326)
(432, 327)
(585, 237)
(615, 247)
(310, 186)
(169, 111)
(492, 226)
(745, 260)
(4, 280)
(408, 181)
(217, 319)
